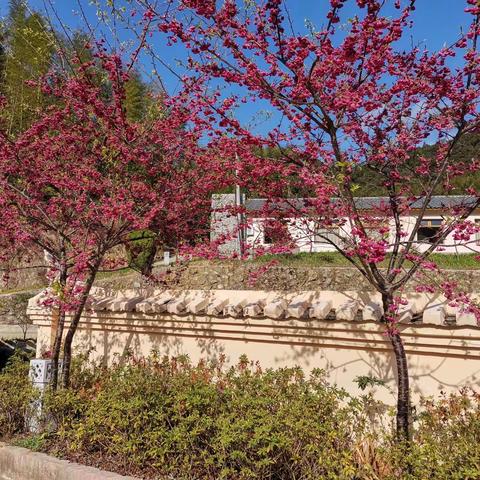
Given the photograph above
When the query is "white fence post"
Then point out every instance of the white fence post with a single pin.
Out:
(166, 257)
(40, 375)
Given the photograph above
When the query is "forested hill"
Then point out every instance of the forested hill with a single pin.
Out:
(368, 182)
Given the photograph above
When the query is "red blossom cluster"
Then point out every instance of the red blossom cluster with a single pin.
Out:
(82, 178)
(351, 100)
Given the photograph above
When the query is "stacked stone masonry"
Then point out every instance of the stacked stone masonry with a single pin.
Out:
(237, 275)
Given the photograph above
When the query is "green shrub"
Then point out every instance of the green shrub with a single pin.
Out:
(16, 397)
(168, 418)
(204, 422)
(141, 250)
(446, 440)
(32, 442)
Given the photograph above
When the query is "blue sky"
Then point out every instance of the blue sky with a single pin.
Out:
(436, 22)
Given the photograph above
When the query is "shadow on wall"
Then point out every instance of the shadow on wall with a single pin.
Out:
(278, 329)
(344, 351)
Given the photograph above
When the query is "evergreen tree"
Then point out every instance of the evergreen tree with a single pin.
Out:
(136, 98)
(143, 100)
(30, 48)
(3, 54)
(79, 46)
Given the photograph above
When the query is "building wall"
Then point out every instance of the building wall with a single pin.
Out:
(302, 232)
(224, 226)
(439, 359)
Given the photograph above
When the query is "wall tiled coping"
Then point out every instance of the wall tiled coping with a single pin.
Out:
(421, 309)
(339, 332)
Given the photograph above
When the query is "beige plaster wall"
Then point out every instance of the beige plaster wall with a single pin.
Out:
(441, 358)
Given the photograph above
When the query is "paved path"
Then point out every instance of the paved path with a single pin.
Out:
(21, 464)
(11, 332)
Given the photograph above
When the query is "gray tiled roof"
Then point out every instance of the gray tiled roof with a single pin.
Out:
(436, 202)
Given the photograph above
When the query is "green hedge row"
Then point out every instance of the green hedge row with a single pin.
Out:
(167, 418)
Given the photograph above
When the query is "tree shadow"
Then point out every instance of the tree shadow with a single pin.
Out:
(440, 357)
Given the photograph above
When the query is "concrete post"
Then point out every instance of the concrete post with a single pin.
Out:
(40, 375)
(166, 258)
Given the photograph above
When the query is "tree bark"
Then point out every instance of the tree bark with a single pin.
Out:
(57, 347)
(60, 327)
(67, 346)
(404, 412)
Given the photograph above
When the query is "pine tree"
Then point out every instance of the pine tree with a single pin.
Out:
(30, 48)
(136, 98)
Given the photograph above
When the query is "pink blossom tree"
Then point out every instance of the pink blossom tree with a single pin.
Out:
(351, 100)
(82, 178)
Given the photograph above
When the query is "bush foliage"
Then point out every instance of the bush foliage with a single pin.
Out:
(204, 421)
(447, 439)
(17, 397)
(168, 418)
(141, 249)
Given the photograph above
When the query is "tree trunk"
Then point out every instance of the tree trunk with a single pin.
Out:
(62, 280)
(57, 347)
(67, 346)
(403, 416)
(403, 393)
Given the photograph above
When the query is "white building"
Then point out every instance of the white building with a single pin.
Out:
(307, 236)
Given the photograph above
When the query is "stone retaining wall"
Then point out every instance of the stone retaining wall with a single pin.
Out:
(236, 275)
(23, 275)
(239, 276)
(13, 307)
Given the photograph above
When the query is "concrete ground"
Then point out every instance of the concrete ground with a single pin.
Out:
(12, 332)
(21, 464)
